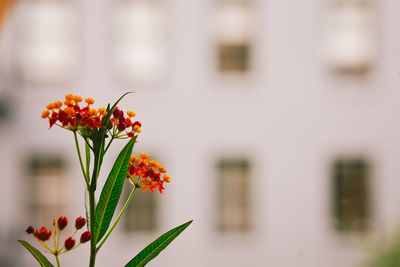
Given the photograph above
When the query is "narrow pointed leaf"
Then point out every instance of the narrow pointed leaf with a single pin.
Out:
(37, 254)
(87, 153)
(98, 141)
(112, 191)
(152, 250)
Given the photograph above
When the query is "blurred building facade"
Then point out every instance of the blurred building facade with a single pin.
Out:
(276, 121)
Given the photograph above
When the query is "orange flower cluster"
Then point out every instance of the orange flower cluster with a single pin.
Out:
(70, 115)
(147, 174)
(42, 235)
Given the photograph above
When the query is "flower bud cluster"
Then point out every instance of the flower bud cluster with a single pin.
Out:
(43, 235)
(121, 124)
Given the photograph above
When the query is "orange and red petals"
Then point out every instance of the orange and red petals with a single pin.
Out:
(85, 237)
(130, 114)
(102, 111)
(29, 230)
(80, 222)
(89, 101)
(62, 222)
(42, 234)
(136, 123)
(69, 243)
(45, 114)
(147, 174)
(70, 115)
(166, 179)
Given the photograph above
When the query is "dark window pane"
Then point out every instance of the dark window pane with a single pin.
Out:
(234, 58)
(46, 192)
(233, 195)
(351, 195)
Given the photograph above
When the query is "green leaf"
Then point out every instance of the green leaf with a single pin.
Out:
(112, 191)
(98, 141)
(152, 250)
(87, 153)
(37, 254)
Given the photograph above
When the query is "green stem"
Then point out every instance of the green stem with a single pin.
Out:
(80, 159)
(87, 154)
(58, 261)
(112, 138)
(118, 218)
(92, 222)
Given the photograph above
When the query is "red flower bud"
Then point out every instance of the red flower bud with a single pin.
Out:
(62, 222)
(121, 126)
(80, 222)
(69, 243)
(118, 113)
(43, 234)
(86, 236)
(29, 230)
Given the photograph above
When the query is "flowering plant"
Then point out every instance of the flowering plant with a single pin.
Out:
(99, 128)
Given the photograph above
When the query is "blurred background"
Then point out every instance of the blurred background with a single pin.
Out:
(277, 122)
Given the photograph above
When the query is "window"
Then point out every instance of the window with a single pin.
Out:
(141, 214)
(46, 192)
(47, 48)
(351, 208)
(140, 40)
(351, 41)
(233, 34)
(233, 195)
(233, 57)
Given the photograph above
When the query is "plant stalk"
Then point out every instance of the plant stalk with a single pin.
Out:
(58, 261)
(80, 159)
(92, 222)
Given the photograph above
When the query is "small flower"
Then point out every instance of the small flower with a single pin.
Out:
(166, 179)
(86, 236)
(29, 230)
(102, 111)
(80, 222)
(136, 123)
(62, 222)
(89, 101)
(45, 114)
(69, 243)
(78, 99)
(131, 114)
(42, 234)
(136, 129)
